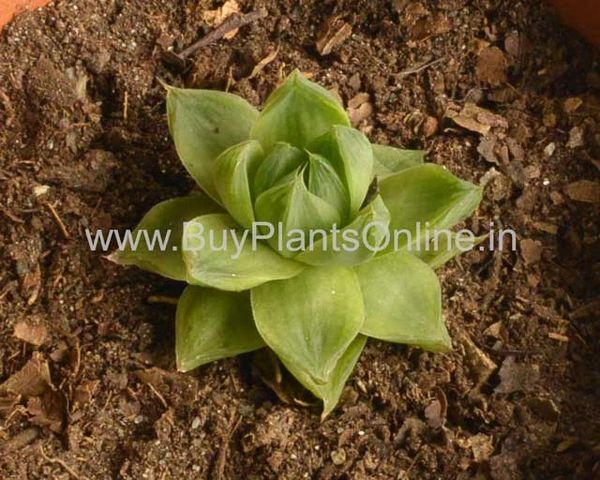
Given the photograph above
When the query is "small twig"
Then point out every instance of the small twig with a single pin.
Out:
(158, 394)
(59, 462)
(125, 105)
(11, 216)
(404, 474)
(421, 67)
(162, 299)
(219, 468)
(59, 221)
(232, 22)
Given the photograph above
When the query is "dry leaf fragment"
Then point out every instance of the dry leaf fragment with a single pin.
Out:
(435, 412)
(48, 410)
(531, 250)
(20, 440)
(546, 227)
(545, 408)
(31, 332)
(430, 26)
(334, 32)
(359, 108)
(482, 447)
(487, 149)
(33, 379)
(584, 191)
(85, 392)
(516, 377)
(477, 119)
(479, 363)
(491, 66)
(216, 17)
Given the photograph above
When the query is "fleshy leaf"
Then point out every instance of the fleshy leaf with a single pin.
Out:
(426, 196)
(374, 218)
(297, 112)
(297, 209)
(310, 320)
(389, 160)
(219, 254)
(167, 216)
(233, 170)
(281, 161)
(325, 183)
(331, 391)
(212, 324)
(403, 302)
(448, 246)
(351, 155)
(203, 123)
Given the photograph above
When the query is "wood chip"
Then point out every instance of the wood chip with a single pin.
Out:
(571, 104)
(482, 447)
(31, 332)
(334, 32)
(558, 337)
(478, 362)
(218, 16)
(546, 227)
(584, 191)
(263, 63)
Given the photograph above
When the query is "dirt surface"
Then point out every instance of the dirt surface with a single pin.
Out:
(498, 93)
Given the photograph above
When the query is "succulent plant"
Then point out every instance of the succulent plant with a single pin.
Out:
(298, 167)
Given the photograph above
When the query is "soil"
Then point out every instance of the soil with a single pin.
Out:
(87, 347)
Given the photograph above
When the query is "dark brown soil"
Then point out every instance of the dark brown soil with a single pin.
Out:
(84, 142)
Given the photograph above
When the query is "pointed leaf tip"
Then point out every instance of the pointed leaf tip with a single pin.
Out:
(297, 112)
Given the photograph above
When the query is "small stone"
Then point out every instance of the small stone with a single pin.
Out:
(195, 423)
(338, 457)
(532, 172)
(481, 446)
(512, 44)
(430, 126)
(516, 377)
(575, 138)
(434, 414)
(355, 82)
(550, 149)
(571, 104)
(40, 190)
